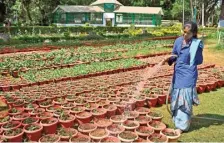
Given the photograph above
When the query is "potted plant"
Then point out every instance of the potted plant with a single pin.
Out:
(157, 126)
(50, 138)
(140, 100)
(60, 111)
(151, 100)
(66, 120)
(18, 103)
(142, 110)
(46, 104)
(33, 131)
(44, 115)
(111, 110)
(59, 101)
(111, 139)
(130, 115)
(80, 138)
(30, 120)
(157, 138)
(86, 128)
(98, 134)
(68, 106)
(155, 115)
(13, 135)
(128, 136)
(91, 106)
(5, 120)
(84, 117)
(171, 134)
(67, 133)
(77, 109)
(102, 122)
(49, 125)
(20, 117)
(144, 131)
(118, 119)
(52, 109)
(71, 98)
(115, 129)
(11, 125)
(130, 125)
(30, 107)
(15, 111)
(99, 113)
(143, 120)
(36, 112)
(120, 107)
(80, 101)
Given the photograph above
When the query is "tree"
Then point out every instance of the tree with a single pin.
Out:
(222, 10)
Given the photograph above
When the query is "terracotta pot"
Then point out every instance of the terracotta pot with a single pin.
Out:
(80, 138)
(6, 120)
(142, 110)
(44, 115)
(99, 113)
(152, 101)
(128, 136)
(134, 125)
(11, 125)
(67, 123)
(144, 131)
(140, 101)
(115, 129)
(20, 117)
(98, 134)
(30, 120)
(50, 136)
(155, 115)
(118, 119)
(19, 111)
(102, 122)
(72, 132)
(143, 120)
(86, 128)
(83, 117)
(33, 135)
(35, 106)
(14, 138)
(36, 112)
(77, 109)
(161, 99)
(159, 126)
(171, 134)
(50, 125)
(111, 110)
(131, 115)
(157, 138)
(111, 139)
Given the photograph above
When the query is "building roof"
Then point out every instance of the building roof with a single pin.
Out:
(75, 8)
(98, 2)
(142, 10)
(121, 9)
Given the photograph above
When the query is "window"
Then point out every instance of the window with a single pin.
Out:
(119, 18)
(96, 18)
(109, 7)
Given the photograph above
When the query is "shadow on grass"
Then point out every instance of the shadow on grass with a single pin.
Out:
(209, 120)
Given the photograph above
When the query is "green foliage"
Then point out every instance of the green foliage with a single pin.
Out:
(132, 31)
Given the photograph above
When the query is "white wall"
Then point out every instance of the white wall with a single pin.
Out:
(127, 25)
(95, 25)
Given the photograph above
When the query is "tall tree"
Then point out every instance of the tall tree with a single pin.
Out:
(222, 10)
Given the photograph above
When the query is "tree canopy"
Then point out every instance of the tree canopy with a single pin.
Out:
(39, 12)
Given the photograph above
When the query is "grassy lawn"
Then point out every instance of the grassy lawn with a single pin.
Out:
(202, 130)
(211, 106)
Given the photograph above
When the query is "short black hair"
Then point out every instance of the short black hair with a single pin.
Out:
(193, 28)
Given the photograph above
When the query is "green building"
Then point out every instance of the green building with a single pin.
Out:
(107, 13)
